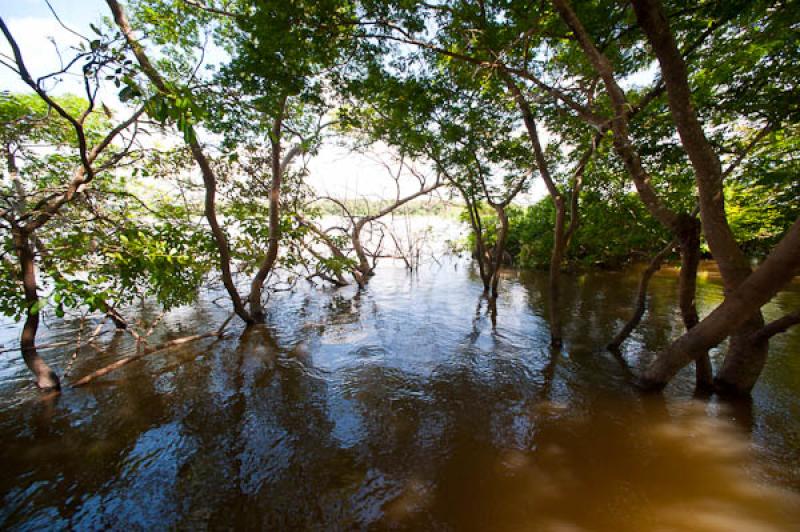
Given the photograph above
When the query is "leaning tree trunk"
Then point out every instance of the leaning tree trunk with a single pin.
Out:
(363, 270)
(782, 264)
(560, 240)
(630, 157)
(207, 173)
(641, 298)
(45, 377)
(484, 269)
(746, 357)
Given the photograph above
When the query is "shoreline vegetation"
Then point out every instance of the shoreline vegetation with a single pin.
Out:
(156, 179)
(277, 264)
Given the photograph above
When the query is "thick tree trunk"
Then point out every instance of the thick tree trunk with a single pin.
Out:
(745, 358)
(782, 264)
(45, 377)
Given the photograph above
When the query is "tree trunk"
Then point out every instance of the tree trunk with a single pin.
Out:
(209, 178)
(782, 264)
(641, 298)
(46, 378)
(221, 241)
(556, 258)
(687, 290)
(745, 358)
(257, 284)
(499, 248)
(484, 269)
(561, 235)
(363, 269)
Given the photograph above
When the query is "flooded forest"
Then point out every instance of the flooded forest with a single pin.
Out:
(400, 265)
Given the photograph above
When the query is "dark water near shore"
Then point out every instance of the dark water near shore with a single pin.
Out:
(403, 407)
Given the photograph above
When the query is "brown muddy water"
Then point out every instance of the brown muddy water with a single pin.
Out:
(403, 408)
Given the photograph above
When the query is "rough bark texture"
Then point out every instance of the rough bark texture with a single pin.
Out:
(782, 264)
(745, 358)
(45, 377)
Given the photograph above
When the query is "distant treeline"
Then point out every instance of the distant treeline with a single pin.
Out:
(418, 207)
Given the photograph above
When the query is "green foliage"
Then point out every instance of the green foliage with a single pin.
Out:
(297, 64)
(165, 261)
(12, 301)
(613, 231)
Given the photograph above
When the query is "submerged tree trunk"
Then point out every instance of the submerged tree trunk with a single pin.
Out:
(220, 239)
(554, 278)
(782, 264)
(561, 234)
(687, 289)
(363, 270)
(745, 358)
(733, 264)
(45, 377)
(484, 269)
(641, 298)
(499, 249)
(559, 240)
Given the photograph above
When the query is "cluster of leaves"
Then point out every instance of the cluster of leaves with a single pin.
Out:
(614, 231)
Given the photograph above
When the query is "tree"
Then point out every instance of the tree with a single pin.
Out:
(96, 153)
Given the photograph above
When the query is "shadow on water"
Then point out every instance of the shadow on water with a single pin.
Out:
(415, 404)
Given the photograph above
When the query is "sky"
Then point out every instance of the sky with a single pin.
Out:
(334, 171)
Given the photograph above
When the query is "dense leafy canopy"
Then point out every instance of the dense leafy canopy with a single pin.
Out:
(490, 96)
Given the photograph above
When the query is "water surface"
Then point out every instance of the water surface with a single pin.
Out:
(403, 407)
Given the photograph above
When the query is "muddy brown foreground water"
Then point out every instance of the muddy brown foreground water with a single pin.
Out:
(402, 407)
